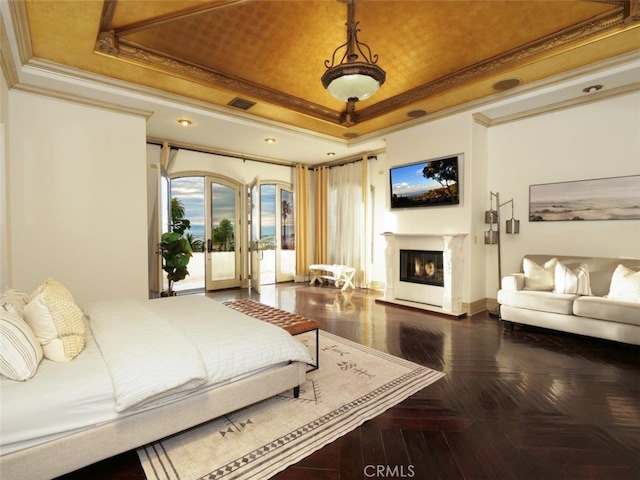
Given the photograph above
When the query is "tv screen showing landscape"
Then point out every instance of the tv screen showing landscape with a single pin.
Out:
(425, 184)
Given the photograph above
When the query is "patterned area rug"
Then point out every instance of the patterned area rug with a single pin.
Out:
(354, 384)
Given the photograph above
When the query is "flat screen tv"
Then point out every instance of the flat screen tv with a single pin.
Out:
(426, 184)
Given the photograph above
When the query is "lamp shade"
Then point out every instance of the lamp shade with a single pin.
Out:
(353, 81)
(491, 237)
(513, 226)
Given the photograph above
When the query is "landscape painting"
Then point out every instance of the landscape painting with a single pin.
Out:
(616, 198)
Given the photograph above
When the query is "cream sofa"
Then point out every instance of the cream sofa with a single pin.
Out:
(594, 314)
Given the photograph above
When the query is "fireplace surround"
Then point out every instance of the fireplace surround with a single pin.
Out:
(445, 298)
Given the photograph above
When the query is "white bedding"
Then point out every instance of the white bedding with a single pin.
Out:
(66, 397)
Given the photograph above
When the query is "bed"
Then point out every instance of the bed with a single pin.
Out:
(146, 370)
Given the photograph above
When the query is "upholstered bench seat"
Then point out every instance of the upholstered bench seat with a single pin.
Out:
(291, 322)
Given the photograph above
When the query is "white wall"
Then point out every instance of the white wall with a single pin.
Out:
(439, 138)
(243, 171)
(596, 140)
(4, 234)
(77, 198)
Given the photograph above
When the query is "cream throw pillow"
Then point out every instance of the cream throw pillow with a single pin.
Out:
(572, 281)
(625, 284)
(57, 322)
(20, 351)
(538, 277)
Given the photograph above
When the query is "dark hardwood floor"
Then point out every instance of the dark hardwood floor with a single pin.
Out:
(522, 404)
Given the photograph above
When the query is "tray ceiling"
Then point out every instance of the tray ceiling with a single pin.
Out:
(438, 54)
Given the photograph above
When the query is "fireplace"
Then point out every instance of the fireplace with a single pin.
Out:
(422, 266)
(420, 291)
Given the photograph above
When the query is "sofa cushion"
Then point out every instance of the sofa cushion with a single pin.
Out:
(569, 280)
(608, 309)
(540, 301)
(537, 277)
(625, 284)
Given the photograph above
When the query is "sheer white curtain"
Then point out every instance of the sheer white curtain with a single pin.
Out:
(348, 187)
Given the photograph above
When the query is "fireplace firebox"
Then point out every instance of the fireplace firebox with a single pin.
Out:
(422, 266)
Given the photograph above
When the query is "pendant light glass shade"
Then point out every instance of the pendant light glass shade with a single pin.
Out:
(350, 86)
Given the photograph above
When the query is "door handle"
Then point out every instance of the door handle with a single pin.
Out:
(209, 245)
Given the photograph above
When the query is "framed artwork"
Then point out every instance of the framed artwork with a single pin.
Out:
(615, 198)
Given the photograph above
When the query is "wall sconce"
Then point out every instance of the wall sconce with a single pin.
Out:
(492, 237)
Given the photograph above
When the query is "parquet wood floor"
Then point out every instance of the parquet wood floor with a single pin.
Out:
(527, 404)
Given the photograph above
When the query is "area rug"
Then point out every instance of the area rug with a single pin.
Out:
(354, 384)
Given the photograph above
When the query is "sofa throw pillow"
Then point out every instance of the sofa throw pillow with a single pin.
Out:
(625, 284)
(572, 281)
(57, 323)
(20, 351)
(538, 277)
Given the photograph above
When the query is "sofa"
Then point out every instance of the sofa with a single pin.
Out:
(592, 296)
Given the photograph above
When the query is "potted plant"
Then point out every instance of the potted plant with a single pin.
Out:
(175, 247)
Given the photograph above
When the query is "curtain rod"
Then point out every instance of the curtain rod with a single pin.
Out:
(346, 161)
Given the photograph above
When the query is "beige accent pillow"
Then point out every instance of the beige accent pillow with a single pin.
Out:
(57, 322)
(54, 285)
(625, 284)
(572, 281)
(538, 277)
(20, 351)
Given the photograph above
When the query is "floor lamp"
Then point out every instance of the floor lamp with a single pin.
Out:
(492, 237)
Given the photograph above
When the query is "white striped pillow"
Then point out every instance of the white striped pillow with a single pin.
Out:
(20, 351)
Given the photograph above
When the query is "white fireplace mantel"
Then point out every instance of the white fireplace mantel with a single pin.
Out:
(447, 299)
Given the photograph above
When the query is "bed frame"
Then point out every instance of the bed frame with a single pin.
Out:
(83, 448)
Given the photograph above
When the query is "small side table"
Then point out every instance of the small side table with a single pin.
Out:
(339, 274)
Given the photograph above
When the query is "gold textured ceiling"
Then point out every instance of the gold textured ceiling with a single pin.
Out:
(437, 54)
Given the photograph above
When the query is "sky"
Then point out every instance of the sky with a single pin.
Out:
(408, 180)
(190, 190)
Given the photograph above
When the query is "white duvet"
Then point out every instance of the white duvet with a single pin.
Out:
(185, 344)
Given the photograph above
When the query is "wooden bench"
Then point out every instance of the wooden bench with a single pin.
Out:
(293, 323)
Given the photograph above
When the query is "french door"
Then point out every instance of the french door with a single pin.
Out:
(223, 268)
(271, 232)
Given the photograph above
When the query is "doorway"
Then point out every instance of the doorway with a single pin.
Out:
(272, 233)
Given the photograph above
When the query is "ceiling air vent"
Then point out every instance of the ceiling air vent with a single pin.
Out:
(241, 103)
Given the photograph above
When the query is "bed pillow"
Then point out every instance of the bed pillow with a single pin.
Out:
(572, 281)
(57, 322)
(14, 300)
(20, 351)
(625, 284)
(538, 277)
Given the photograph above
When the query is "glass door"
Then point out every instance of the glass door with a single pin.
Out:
(286, 246)
(254, 234)
(272, 233)
(223, 260)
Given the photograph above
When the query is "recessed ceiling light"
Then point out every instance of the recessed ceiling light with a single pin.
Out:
(592, 88)
(331, 154)
(270, 140)
(506, 84)
(416, 113)
(184, 122)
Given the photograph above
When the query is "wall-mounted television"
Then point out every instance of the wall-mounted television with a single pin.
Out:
(426, 184)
